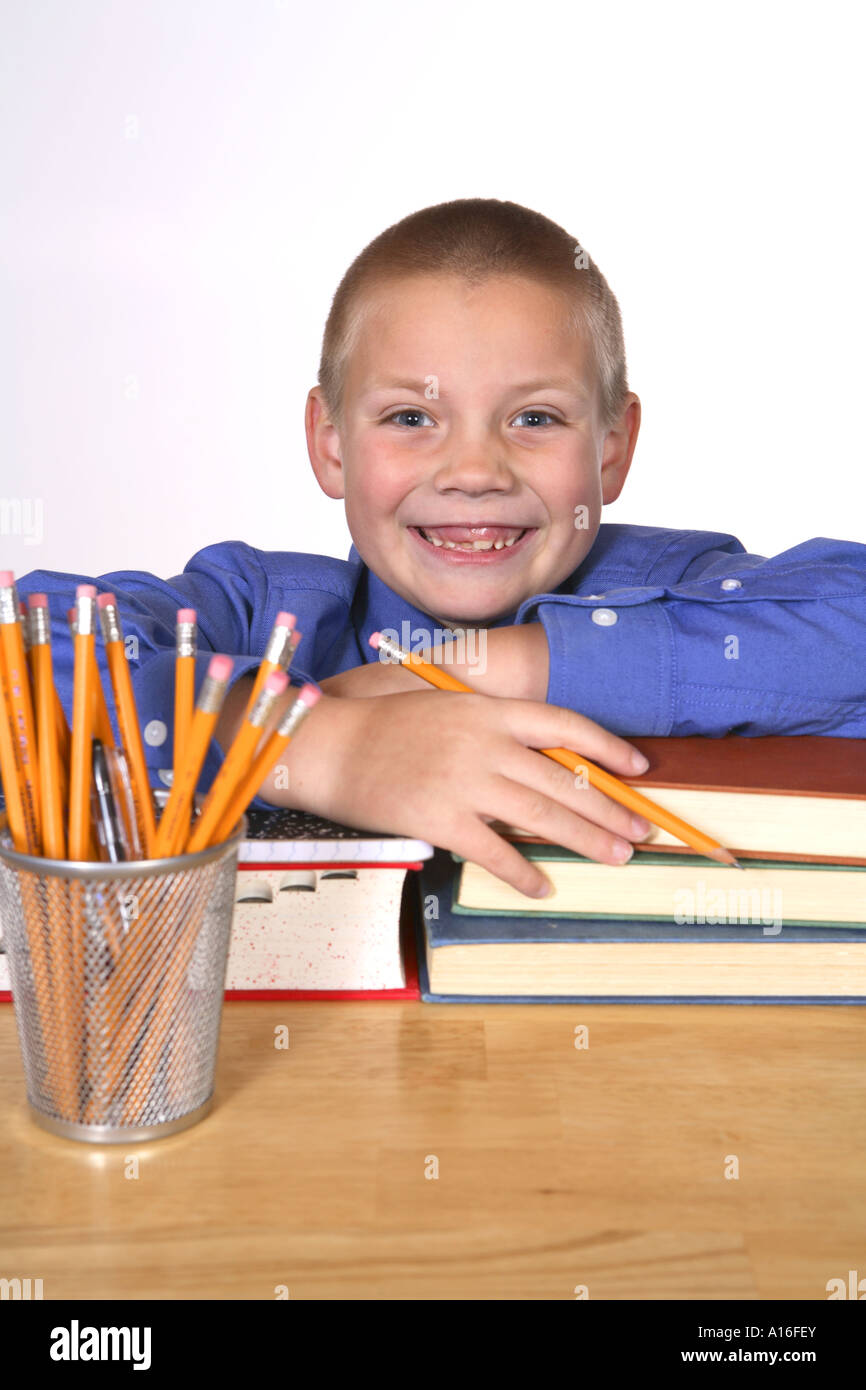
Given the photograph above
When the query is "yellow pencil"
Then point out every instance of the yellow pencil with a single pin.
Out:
(30, 624)
(237, 762)
(605, 781)
(281, 647)
(50, 763)
(265, 760)
(173, 828)
(127, 721)
(9, 770)
(184, 681)
(19, 708)
(101, 719)
(82, 722)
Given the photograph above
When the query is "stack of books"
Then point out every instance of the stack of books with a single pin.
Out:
(673, 926)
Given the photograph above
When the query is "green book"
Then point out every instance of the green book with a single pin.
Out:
(675, 888)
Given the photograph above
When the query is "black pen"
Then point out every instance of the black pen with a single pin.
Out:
(109, 829)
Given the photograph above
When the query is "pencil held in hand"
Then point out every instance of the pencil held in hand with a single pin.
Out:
(605, 781)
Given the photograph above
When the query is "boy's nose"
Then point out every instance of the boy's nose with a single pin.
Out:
(475, 468)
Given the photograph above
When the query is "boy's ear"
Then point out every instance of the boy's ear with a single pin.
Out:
(619, 444)
(323, 445)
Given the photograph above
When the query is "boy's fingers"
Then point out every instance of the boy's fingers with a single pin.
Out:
(534, 811)
(483, 846)
(574, 731)
(572, 790)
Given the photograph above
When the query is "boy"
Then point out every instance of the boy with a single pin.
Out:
(472, 389)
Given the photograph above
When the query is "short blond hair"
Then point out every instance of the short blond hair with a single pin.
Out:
(477, 238)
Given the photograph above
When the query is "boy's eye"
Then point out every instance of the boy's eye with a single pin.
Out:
(537, 415)
(414, 413)
(542, 415)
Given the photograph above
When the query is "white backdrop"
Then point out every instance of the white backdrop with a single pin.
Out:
(184, 183)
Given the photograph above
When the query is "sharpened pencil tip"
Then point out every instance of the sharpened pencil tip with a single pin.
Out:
(724, 856)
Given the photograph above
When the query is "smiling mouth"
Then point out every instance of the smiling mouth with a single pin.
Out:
(497, 537)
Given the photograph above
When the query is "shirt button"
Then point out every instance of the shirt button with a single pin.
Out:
(605, 617)
(166, 776)
(732, 584)
(155, 733)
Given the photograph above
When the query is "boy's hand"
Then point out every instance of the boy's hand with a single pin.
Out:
(512, 661)
(440, 766)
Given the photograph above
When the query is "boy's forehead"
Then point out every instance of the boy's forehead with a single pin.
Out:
(506, 322)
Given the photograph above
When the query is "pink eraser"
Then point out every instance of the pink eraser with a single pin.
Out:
(7, 578)
(37, 600)
(86, 591)
(277, 682)
(105, 599)
(186, 615)
(309, 694)
(220, 667)
(285, 620)
(373, 639)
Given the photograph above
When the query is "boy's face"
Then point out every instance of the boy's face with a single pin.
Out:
(470, 407)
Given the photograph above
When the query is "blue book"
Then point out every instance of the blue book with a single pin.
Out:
(473, 958)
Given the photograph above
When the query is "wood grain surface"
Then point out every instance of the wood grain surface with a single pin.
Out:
(558, 1167)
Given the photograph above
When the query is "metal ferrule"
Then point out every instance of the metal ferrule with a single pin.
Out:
(211, 696)
(392, 650)
(280, 648)
(39, 627)
(8, 604)
(294, 719)
(185, 639)
(111, 631)
(294, 639)
(85, 608)
(263, 708)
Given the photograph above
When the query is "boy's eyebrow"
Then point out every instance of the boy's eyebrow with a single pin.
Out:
(419, 387)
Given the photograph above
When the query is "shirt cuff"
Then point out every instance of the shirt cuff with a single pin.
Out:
(614, 665)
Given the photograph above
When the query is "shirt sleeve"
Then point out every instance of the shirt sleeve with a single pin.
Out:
(228, 588)
(717, 643)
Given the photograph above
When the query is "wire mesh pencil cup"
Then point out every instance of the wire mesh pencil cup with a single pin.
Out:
(118, 973)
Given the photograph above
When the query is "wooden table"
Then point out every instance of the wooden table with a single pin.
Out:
(558, 1167)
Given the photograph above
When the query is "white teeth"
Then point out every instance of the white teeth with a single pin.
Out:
(468, 545)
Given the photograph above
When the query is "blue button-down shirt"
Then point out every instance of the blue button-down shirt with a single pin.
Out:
(657, 632)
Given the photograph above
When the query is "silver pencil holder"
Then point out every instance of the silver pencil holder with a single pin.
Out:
(118, 973)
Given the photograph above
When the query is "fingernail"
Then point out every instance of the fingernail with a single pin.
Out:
(639, 762)
(640, 826)
(544, 891)
(622, 851)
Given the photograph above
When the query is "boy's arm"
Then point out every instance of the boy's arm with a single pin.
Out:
(715, 642)
(230, 593)
(506, 661)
